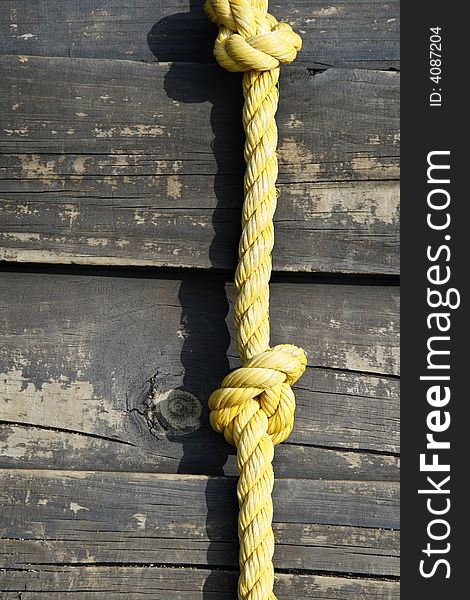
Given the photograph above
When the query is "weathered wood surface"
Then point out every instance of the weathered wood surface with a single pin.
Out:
(111, 375)
(80, 517)
(335, 33)
(93, 368)
(121, 145)
(133, 583)
(114, 162)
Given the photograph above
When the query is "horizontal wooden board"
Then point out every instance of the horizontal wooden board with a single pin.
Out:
(310, 547)
(78, 517)
(114, 373)
(117, 162)
(134, 583)
(335, 33)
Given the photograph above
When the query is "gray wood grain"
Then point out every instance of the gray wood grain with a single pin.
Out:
(95, 369)
(79, 517)
(115, 162)
(307, 546)
(335, 33)
(133, 583)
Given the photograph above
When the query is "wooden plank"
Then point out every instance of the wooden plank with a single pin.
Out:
(133, 583)
(77, 517)
(335, 33)
(312, 547)
(39, 447)
(114, 373)
(115, 162)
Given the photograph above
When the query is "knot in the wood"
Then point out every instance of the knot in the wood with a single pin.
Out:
(249, 37)
(263, 385)
(177, 411)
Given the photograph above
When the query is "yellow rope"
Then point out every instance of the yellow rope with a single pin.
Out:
(255, 404)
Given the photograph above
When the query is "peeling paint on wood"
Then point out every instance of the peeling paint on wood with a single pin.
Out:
(195, 516)
(135, 201)
(178, 31)
(111, 348)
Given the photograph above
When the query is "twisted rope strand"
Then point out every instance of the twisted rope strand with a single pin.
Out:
(257, 238)
(254, 407)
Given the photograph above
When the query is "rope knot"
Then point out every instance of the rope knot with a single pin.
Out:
(249, 37)
(262, 387)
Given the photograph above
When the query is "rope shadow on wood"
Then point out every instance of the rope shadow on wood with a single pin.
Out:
(223, 91)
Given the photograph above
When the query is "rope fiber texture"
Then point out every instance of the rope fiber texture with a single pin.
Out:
(254, 407)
